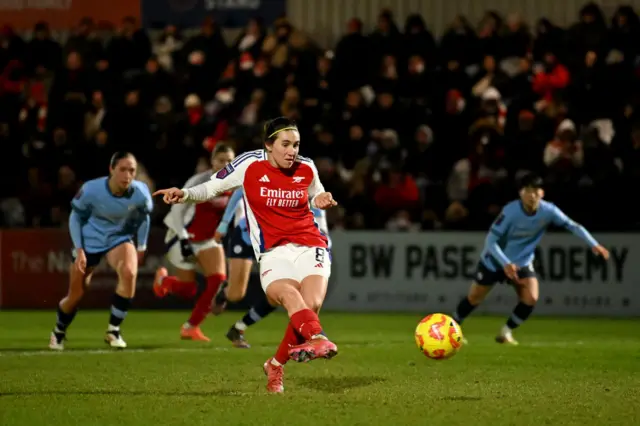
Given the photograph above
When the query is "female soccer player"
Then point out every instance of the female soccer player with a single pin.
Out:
(108, 215)
(510, 249)
(190, 242)
(292, 252)
(240, 254)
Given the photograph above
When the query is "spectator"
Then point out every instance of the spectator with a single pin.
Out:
(406, 132)
(550, 77)
(42, 53)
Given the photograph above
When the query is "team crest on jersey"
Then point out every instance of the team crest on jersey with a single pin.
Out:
(225, 172)
(298, 179)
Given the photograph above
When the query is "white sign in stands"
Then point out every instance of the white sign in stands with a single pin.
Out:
(431, 271)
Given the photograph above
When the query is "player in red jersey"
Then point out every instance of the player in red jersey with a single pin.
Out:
(190, 243)
(295, 263)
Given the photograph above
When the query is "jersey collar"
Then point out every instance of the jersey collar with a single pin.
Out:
(127, 194)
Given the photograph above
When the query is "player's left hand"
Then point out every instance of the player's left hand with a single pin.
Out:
(601, 251)
(324, 201)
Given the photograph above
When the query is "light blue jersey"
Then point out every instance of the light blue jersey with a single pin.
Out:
(230, 212)
(515, 234)
(100, 221)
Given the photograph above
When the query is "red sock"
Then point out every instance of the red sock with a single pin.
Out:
(291, 338)
(203, 305)
(184, 289)
(306, 323)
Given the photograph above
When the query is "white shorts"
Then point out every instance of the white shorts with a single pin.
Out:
(294, 262)
(174, 255)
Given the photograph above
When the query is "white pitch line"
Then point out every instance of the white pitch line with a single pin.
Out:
(49, 352)
(265, 348)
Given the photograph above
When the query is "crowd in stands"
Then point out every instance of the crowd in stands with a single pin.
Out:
(408, 131)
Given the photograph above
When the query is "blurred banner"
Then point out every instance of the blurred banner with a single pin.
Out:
(34, 274)
(431, 272)
(227, 13)
(371, 271)
(64, 14)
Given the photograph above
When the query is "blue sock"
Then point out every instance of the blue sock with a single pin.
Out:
(463, 310)
(119, 308)
(520, 314)
(257, 313)
(63, 320)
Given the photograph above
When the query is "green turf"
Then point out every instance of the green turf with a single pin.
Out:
(565, 372)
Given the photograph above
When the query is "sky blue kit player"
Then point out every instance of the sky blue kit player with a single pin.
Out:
(109, 215)
(509, 252)
(241, 255)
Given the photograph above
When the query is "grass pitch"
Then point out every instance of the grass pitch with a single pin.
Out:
(565, 372)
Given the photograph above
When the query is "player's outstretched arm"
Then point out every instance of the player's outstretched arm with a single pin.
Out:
(229, 178)
(560, 219)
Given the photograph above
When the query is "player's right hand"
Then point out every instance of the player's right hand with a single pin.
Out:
(81, 261)
(511, 271)
(218, 236)
(171, 195)
(185, 249)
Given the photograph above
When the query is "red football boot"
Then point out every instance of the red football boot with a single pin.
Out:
(318, 347)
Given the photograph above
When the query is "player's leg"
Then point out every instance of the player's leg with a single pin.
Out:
(68, 306)
(210, 256)
(304, 322)
(124, 260)
(480, 288)
(258, 312)
(235, 288)
(528, 293)
(234, 291)
(183, 282)
(314, 267)
(284, 292)
(278, 277)
(240, 255)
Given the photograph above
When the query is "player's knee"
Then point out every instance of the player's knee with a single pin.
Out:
(315, 306)
(286, 295)
(77, 286)
(313, 302)
(529, 299)
(235, 292)
(476, 295)
(127, 273)
(75, 296)
(475, 299)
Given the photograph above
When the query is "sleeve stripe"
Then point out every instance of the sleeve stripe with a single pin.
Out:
(496, 233)
(245, 156)
(80, 211)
